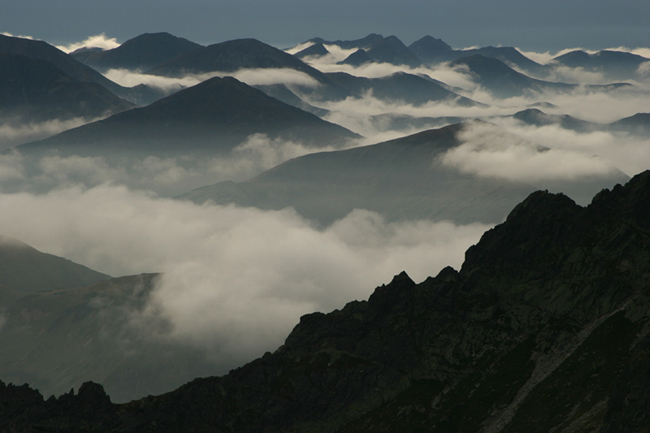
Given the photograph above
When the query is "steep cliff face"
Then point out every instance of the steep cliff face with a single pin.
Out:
(544, 328)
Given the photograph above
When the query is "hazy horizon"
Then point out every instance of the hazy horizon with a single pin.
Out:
(540, 26)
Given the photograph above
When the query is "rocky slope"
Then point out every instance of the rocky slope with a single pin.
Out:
(544, 328)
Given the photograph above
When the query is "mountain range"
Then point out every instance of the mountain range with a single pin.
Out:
(615, 65)
(41, 50)
(33, 90)
(141, 53)
(638, 124)
(542, 329)
(402, 179)
(207, 119)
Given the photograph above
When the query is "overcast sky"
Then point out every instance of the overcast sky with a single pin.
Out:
(538, 25)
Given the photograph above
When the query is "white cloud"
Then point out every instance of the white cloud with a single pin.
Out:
(16, 36)
(628, 153)
(298, 48)
(236, 280)
(96, 41)
(252, 77)
(547, 56)
(488, 151)
(128, 78)
(268, 76)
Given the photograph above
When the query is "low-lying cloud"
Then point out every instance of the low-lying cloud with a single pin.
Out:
(236, 279)
(162, 176)
(488, 151)
(15, 132)
(252, 77)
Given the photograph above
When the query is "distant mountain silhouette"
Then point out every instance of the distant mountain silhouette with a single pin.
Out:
(364, 43)
(25, 269)
(431, 50)
(535, 117)
(314, 50)
(231, 56)
(508, 55)
(327, 186)
(33, 90)
(140, 53)
(239, 54)
(207, 119)
(378, 48)
(503, 81)
(358, 58)
(615, 65)
(392, 50)
(639, 124)
(74, 69)
(399, 87)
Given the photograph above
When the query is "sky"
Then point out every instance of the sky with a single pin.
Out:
(549, 25)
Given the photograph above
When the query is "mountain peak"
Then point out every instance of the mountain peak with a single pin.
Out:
(392, 50)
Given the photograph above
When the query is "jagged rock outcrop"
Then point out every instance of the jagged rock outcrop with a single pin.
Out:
(544, 328)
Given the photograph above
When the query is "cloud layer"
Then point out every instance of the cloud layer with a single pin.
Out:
(162, 176)
(236, 280)
(491, 152)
